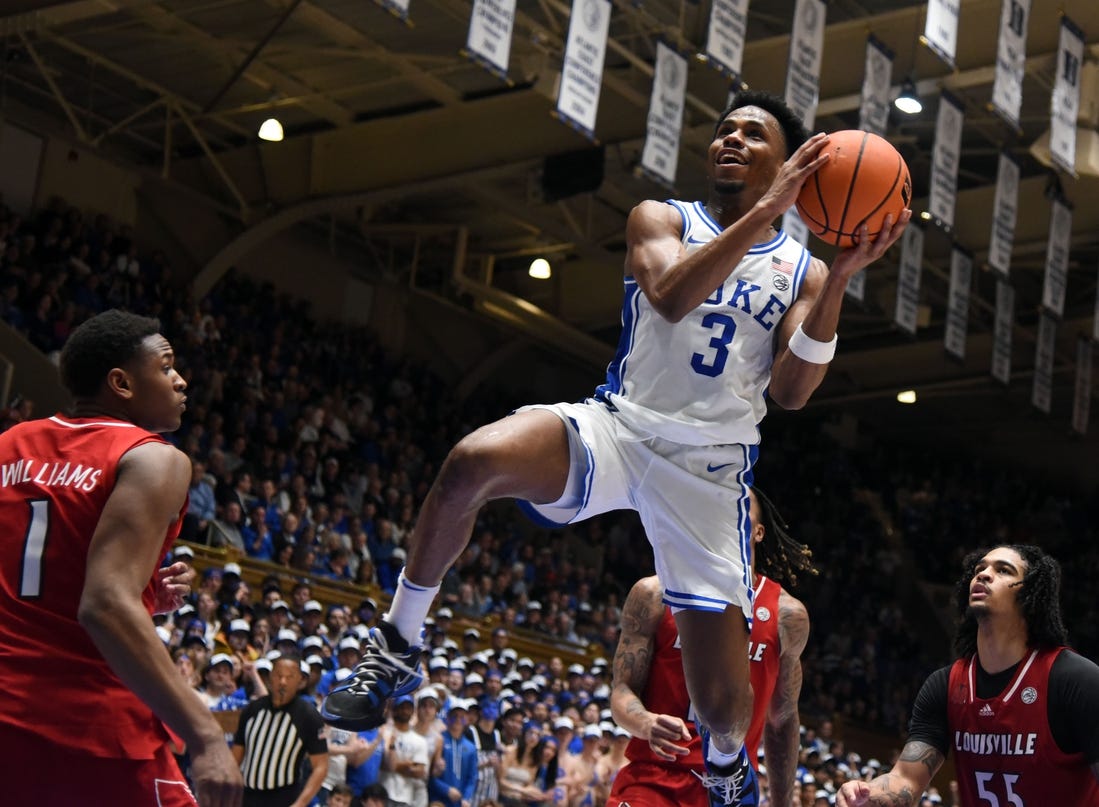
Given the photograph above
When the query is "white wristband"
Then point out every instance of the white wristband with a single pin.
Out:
(809, 349)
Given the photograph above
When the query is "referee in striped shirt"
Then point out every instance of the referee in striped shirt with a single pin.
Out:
(275, 734)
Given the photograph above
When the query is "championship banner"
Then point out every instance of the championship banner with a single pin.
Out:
(1081, 401)
(1065, 100)
(660, 155)
(803, 70)
(582, 71)
(856, 286)
(941, 29)
(490, 31)
(1057, 251)
(957, 305)
(726, 35)
(1007, 85)
(1041, 394)
(794, 227)
(878, 73)
(1003, 215)
(1002, 331)
(945, 159)
(908, 279)
(398, 8)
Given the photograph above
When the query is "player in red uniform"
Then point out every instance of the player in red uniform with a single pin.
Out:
(89, 505)
(649, 694)
(1018, 708)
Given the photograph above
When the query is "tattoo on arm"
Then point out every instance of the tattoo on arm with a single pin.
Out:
(923, 753)
(902, 797)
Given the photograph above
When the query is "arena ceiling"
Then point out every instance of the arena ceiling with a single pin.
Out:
(423, 161)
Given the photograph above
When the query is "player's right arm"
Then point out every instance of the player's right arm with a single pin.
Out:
(902, 786)
(149, 491)
(641, 615)
(920, 759)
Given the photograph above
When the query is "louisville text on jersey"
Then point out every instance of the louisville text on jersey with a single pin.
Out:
(1009, 745)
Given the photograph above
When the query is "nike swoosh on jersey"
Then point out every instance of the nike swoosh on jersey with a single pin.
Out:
(692, 240)
(711, 467)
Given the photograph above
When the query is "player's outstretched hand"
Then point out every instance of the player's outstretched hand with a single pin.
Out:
(217, 778)
(802, 163)
(868, 250)
(667, 735)
(853, 794)
(172, 583)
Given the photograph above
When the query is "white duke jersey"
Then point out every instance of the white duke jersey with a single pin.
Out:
(702, 381)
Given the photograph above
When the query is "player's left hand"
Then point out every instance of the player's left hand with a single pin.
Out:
(867, 249)
(172, 583)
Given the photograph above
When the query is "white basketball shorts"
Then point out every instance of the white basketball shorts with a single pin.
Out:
(692, 500)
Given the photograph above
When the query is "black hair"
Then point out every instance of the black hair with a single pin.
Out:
(780, 555)
(792, 127)
(376, 790)
(108, 340)
(1039, 598)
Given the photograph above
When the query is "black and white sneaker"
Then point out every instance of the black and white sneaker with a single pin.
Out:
(389, 668)
(732, 785)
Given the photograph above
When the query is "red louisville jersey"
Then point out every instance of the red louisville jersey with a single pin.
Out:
(55, 477)
(666, 690)
(1004, 751)
(763, 652)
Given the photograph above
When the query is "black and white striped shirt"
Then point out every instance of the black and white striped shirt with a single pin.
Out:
(276, 740)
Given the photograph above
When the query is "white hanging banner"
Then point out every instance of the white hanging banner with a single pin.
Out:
(582, 71)
(1007, 85)
(908, 279)
(726, 36)
(490, 31)
(877, 75)
(660, 154)
(1002, 331)
(795, 227)
(941, 29)
(398, 8)
(1081, 401)
(856, 286)
(957, 305)
(1057, 252)
(1003, 215)
(1065, 99)
(1041, 394)
(945, 159)
(803, 69)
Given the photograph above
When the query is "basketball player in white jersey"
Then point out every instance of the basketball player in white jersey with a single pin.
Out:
(719, 308)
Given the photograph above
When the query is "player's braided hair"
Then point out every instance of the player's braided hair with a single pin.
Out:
(780, 556)
(1039, 597)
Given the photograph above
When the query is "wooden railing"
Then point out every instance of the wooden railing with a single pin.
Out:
(332, 592)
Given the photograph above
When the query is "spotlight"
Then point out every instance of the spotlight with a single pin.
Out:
(908, 101)
(907, 396)
(540, 269)
(271, 130)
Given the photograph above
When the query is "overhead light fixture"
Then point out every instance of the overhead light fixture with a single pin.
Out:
(908, 101)
(540, 269)
(907, 396)
(271, 130)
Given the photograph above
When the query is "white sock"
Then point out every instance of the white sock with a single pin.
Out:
(720, 759)
(411, 602)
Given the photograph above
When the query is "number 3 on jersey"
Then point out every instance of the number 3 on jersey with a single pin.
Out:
(1013, 798)
(34, 546)
(714, 364)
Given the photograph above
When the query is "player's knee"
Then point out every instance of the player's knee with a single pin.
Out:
(471, 466)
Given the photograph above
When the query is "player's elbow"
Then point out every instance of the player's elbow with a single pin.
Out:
(788, 397)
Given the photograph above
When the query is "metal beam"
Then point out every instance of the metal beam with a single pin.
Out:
(57, 94)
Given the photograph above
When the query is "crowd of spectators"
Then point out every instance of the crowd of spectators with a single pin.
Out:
(312, 449)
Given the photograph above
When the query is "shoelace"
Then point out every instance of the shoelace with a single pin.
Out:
(380, 662)
(727, 787)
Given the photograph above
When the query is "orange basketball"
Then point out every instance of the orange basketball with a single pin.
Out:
(865, 179)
